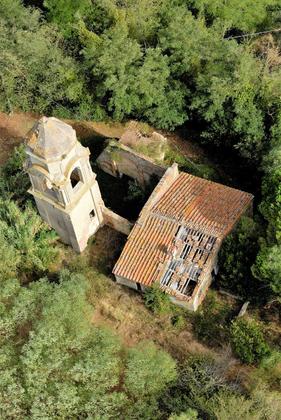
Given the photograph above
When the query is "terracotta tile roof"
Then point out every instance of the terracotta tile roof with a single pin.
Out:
(180, 228)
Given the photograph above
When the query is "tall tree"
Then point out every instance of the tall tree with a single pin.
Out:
(35, 74)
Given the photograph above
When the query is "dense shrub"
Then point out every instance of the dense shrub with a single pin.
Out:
(143, 363)
(190, 414)
(248, 341)
(199, 380)
(27, 238)
(261, 404)
(36, 73)
(14, 182)
(236, 258)
(156, 300)
(210, 322)
(52, 358)
(187, 165)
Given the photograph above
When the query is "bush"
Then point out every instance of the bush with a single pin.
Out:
(190, 414)
(178, 321)
(269, 370)
(210, 322)
(187, 165)
(156, 300)
(14, 183)
(28, 238)
(135, 192)
(247, 341)
(260, 404)
(200, 378)
(143, 376)
(236, 257)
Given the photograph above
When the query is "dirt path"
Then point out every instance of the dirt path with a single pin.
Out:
(14, 127)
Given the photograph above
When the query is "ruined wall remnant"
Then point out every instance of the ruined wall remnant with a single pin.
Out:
(117, 222)
(117, 159)
(145, 141)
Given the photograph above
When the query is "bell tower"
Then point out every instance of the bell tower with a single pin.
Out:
(64, 186)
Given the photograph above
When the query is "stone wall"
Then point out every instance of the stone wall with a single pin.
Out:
(117, 222)
(117, 159)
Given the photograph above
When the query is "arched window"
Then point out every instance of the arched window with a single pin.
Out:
(76, 178)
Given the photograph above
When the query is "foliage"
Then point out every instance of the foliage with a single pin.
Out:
(262, 404)
(268, 263)
(187, 165)
(248, 341)
(245, 18)
(178, 321)
(52, 357)
(144, 380)
(36, 75)
(269, 371)
(135, 192)
(199, 380)
(64, 12)
(27, 238)
(130, 83)
(210, 323)
(190, 414)
(14, 182)
(268, 267)
(164, 62)
(156, 300)
(237, 256)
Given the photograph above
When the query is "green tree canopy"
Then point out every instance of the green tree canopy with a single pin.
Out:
(36, 74)
(55, 362)
(27, 238)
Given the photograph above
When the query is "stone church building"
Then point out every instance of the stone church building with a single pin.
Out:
(175, 240)
(64, 186)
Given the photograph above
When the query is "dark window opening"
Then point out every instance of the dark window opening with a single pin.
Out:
(92, 214)
(75, 177)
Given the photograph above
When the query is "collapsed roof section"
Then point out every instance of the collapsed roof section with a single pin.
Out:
(179, 232)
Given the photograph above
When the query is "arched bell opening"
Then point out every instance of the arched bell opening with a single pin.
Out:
(76, 178)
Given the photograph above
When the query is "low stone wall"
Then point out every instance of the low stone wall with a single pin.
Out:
(117, 222)
(117, 159)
